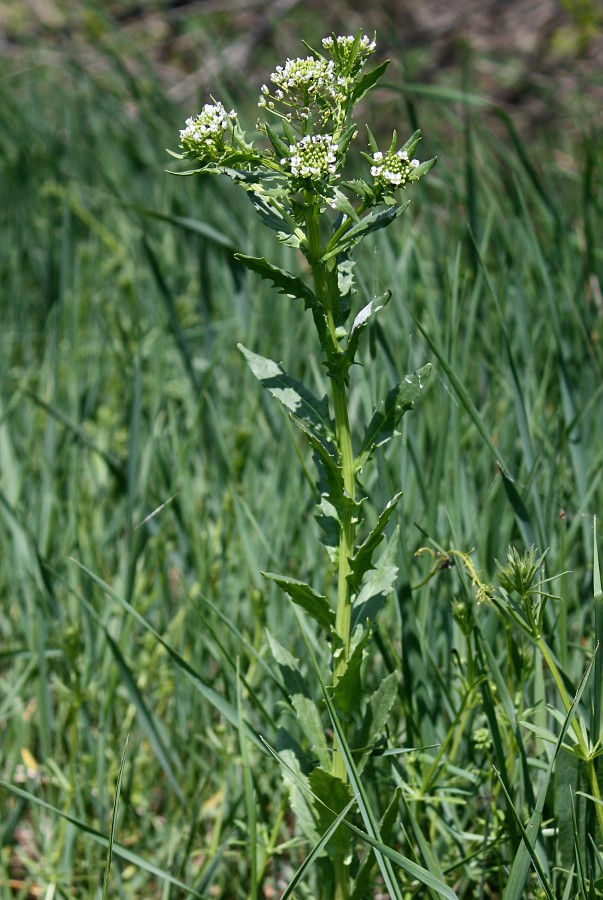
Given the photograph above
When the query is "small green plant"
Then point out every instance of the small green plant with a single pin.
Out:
(296, 182)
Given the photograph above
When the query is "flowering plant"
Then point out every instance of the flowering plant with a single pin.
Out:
(296, 183)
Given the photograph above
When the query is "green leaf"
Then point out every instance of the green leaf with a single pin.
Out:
(343, 204)
(373, 839)
(288, 666)
(269, 195)
(362, 559)
(368, 81)
(334, 501)
(300, 794)
(309, 720)
(422, 169)
(361, 321)
(300, 401)
(114, 821)
(347, 691)
(568, 780)
(382, 427)
(345, 277)
(378, 584)
(335, 796)
(316, 605)
(284, 281)
(362, 189)
(377, 714)
(280, 146)
(371, 222)
(412, 142)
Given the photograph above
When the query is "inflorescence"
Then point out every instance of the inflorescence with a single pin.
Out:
(205, 134)
(314, 156)
(392, 170)
(314, 98)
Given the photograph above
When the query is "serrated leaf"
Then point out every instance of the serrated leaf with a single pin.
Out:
(412, 142)
(383, 424)
(422, 169)
(345, 277)
(377, 585)
(300, 799)
(361, 321)
(368, 81)
(329, 520)
(377, 714)
(361, 562)
(309, 720)
(281, 148)
(284, 281)
(288, 666)
(294, 396)
(347, 692)
(342, 203)
(316, 605)
(336, 795)
(373, 221)
(273, 219)
(334, 501)
(268, 193)
(362, 189)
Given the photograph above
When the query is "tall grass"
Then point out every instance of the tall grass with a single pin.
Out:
(144, 484)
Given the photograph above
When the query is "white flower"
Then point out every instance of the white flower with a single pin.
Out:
(314, 156)
(305, 76)
(344, 42)
(208, 128)
(392, 170)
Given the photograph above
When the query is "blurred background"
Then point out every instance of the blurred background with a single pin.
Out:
(541, 57)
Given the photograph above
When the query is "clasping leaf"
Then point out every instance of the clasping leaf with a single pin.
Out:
(300, 401)
(316, 605)
(383, 425)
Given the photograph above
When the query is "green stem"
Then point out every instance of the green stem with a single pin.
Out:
(325, 287)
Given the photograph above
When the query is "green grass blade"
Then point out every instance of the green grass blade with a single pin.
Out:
(526, 853)
(217, 701)
(249, 793)
(99, 838)
(114, 821)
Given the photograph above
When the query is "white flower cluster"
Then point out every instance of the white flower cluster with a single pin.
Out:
(204, 134)
(314, 156)
(301, 81)
(393, 169)
(345, 42)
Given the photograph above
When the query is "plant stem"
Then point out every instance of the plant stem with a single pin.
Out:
(325, 286)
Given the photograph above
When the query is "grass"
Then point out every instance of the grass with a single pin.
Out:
(145, 482)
